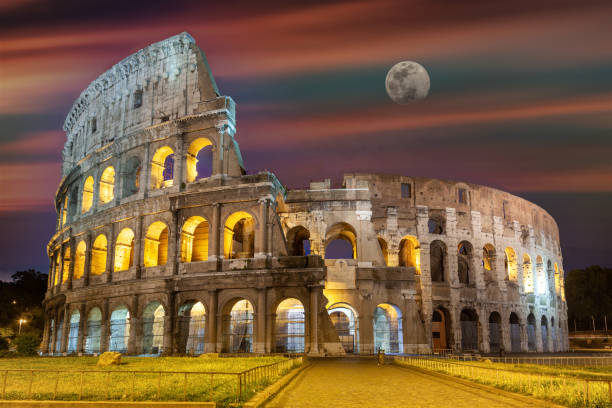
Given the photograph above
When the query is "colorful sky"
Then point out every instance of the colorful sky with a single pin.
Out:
(520, 98)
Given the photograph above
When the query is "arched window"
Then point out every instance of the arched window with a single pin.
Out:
(59, 333)
(531, 332)
(119, 330)
(495, 332)
(298, 240)
(153, 328)
(388, 329)
(238, 328)
(488, 262)
(541, 276)
(527, 274)
(515, 333)
(88, 190)
(107, 185)
(94, 324)
(73, 334)
(410, 253)
(544, 330)
(437, 261)
(124, 250)
(289, 326)
(156, 244)
(192, 326)
(469, 330)
(346, 323)
(194, 240)
(57, 269)
(131, 176)
(162, 168)
(510, 265)
(341, 242)
(435, 225)
(98, 255)
(557, 280)
(439, 329)
(66, 264)
(384, 248)
(199, 159)
(239, 236)
(464, 263)
(79, 260)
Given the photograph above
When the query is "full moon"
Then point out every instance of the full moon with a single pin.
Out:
(407, 81)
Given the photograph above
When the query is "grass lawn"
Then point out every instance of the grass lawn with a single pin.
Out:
(65, 378)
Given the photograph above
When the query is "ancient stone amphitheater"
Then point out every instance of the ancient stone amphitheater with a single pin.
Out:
(165, 244)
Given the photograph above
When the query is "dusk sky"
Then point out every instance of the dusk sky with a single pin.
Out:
(520, 97)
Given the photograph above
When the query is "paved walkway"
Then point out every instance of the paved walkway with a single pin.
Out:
(359, 382)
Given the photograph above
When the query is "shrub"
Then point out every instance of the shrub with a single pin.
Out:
(27, 344)
(3, 344)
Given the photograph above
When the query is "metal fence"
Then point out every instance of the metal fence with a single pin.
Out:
(583, 361)
(107, 385)
(560, 388)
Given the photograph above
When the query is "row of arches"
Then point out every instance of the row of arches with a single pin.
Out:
(237, 329)
(239, 238)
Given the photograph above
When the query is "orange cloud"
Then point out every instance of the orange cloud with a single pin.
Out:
(28, 186)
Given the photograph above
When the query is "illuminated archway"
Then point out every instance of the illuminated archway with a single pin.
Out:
(98, 255)
(194, 240)
(87, 196)
(346, 323)
(94, 330)
(73, 333)
(531, 332)
(192, 327)
(336, 240)
(541, 276)
(495, 332)
(199, 159)
(119, 330)
(298, 240)
(488, 262)
(162, 168)
(289, 327)
(66, 264)
(557, 280)
(107, 185)
(511, 265)
(153, 328)
(238, 328)
(79, 260)
(515, 333)
(156, 244)
(124, 250)
(544, 332)
(59, 333)
(388, 329)
(527, 274)
(410, 253)
(239, 236)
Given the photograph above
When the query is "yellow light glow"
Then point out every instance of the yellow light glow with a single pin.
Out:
(66, 264)
(240, 249)
(194, 240)
(57, 268)
(79, 260)
(528, 282)
(410, 253)
(98, 255)
(156, 244)
(192, 154)
(107, 185)
(157, 168)
(65, 211)
(124, 250)
(511, 265)
(88, 190)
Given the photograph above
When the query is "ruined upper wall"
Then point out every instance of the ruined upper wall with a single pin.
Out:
(161, 82)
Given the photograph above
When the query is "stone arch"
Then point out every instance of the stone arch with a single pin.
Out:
(199, 153)
(59, 331)
(107, 185)
(438, 261)
(87, 195)
(553, 333)
(515, 333)
(298, 241)
(94, 330)
(488, 262)
(239, 236)
(542, 284)
(510, 264)
(289, 326)
(153, 328)
(544, 333)
(557, 280)
(194, 239)
(388, 333)
(550, 288)
(192, 327)
(436, 223)
(131, 176)
(119, 329)
(99, 252)
(441, 333)
(345, 319)
(162, 168)
(410, 253)
(124, 250)
(495, 332)
(79, 260)
(238, 326)
(66, 263)
(469, 329)
(528, 283)
(344, 232)
(465, 257)
(384, 249)
(73, 332)
(531, 332)
(156, 244)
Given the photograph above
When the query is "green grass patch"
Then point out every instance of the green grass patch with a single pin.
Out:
(73, 378)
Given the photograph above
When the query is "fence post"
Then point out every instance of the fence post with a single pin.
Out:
(4, 385)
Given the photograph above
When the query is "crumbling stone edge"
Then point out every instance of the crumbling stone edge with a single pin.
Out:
(523, 398)
(263, 396)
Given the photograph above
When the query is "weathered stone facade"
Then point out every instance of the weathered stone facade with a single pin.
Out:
(155, 252)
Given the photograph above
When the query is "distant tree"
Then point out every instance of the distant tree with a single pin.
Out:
(3, 344)
(27, 344)
(589, 296)
(23, 296)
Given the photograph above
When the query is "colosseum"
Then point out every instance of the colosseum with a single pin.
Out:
(166, 245)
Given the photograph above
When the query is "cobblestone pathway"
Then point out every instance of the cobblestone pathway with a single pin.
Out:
(359, 382)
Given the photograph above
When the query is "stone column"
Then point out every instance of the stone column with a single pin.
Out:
(72, 249)
(104, 327)
(139, 240)
(314, 320)
(169, 324)
(455, 314)
(88, 252)
(179, 162)
(110, 254)
(210, 344)
(366, 326)
(505, 332)
(261, 239)
(484, 333)
(134, 341)
(450, 264)
(217, 234)
(259, 340)
(46, 334)
(65, 329)
(82, 328)
(538, 330)
(145, 172)
(173, 244)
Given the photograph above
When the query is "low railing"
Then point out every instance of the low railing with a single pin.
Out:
(584, 361)
(569, 390)
(106, 385)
